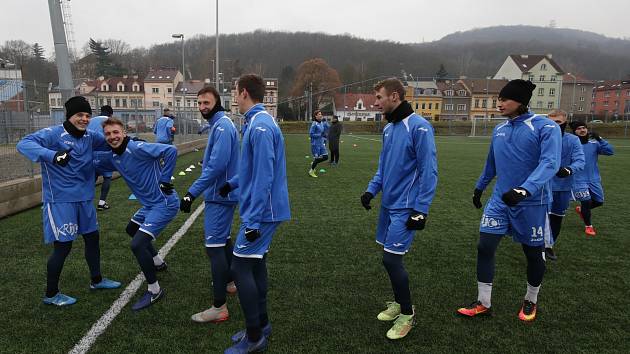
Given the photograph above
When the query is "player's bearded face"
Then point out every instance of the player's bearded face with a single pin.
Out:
(114, 134)
(80, 120)
(206, 103)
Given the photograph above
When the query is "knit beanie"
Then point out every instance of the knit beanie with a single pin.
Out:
(76, 105)
(518, 90)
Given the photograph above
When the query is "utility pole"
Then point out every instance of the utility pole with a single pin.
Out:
(216, 44)
(61, 50)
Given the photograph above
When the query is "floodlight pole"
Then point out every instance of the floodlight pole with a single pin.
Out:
(62, 57)
(216, 62)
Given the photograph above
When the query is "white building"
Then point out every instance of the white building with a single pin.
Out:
(356, 107)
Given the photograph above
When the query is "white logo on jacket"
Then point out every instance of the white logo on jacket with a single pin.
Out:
(261, 129)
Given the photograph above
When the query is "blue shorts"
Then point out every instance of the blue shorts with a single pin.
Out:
(391, 231)
(218, 223)
(153, 219)
(560, 202)
(318, 150)
(528, 224)
(260, 246)
(587, 191)
(64, 221)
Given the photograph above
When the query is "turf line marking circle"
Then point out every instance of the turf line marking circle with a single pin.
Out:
(101, 325)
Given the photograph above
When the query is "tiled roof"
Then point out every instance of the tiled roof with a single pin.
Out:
(480, 85)
(161, 75)
(350, 101)
(526, 62)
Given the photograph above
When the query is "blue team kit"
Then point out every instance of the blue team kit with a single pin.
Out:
(316, 133)
(588, 182)
(163, 130)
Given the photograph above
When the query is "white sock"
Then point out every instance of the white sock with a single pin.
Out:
(157, 260)
(101, 202)
(532, 293)
(154, 288)
(484, 291)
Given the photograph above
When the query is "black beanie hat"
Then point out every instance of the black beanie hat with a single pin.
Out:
(107, 110)
(518, 90)
(576, 124)
(77, 104)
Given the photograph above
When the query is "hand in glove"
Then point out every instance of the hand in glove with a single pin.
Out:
(167, 188)
(564, 172)
(514, 196)
(225, 190)
(186, 202)
(62, 158)
(416, 221)
(477, 198)
(252, 234)
(365, 200)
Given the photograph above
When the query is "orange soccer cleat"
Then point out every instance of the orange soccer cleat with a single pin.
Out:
(475, 309)
(590, 231)
(528, 311)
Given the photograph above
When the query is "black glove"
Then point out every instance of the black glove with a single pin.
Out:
(252, 234)
(62, 158)
(135, 138)
(224, 190)
(167, 188)
(564, 172)
(186, 203)
(596, 136)
(365, 200)
(477, 198)
(514, 196)
(416, 221)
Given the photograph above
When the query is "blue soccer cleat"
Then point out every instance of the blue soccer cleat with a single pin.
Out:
(148, 299)
(59, 300)
(105, 284)
(238, 336)
(244, 346)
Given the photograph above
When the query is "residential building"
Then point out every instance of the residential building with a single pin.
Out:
(11, 87)
(425, 98)
(357, 107)
(577, 96)
(160, 85)
(611, 100)
(543, 71)
(455, 100)
(270, 100)
(121, 93)
(484, 96)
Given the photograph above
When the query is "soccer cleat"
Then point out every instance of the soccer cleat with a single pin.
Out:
(148, 299)
(105, 284)
(590, 231)
(475, 309)
(578, 210)
(59, 300)
(161, 267)
(238, 336)
(244, 346)
(550, 254)
(230, 288)
(390, 313)
(213, 314)
(528, 311)
(101, 207)
(402, 326)
(311, 173)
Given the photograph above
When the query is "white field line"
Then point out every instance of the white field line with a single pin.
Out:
(101, 325)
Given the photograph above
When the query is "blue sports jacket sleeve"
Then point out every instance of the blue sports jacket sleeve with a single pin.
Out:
(169, 128)
(216, 165)
(426, 162)
(167, 152)
(376, 184)
(489, 170)
(577, 157)
(33, 146)
(105, 162)
(605, 148)
(263, 171)
(549, 162)
(99, 143)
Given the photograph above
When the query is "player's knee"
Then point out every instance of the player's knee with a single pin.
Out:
(132, 228)
(487, 245)
(140, 241)
(392, 261)
(534, 253)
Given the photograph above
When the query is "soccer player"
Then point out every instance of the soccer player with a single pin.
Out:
(524, 155)
(572, 161)
(333, 140)
(318, 147)
(587, 184)
(164, 130)
(139, 163)
(66, 153)
(407, 176)
(220, 164)
(263, 205)
(96, 124)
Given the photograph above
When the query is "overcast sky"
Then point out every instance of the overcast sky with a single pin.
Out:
(146, 22)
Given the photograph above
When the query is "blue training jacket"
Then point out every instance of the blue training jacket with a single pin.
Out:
(573, 158)
(140, 167)
(407, 166)
(592, 150)
(316, 133)
(96, 123)
(524, 152)
(220, 160)
(262, 176)
(75, 181)
(163, 130)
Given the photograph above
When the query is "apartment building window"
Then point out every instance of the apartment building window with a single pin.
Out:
(416, 105)
(178, 102)
(52, 101)
(188, 103)
(155, 90)
(618, 93)
(448, 93)
(580, 108)
(607, 94)
(539, 104)
(484, 103)
(549, 105)
(541, 78)
(552, 78)
(605, 103)
(543, 67)
(156, 104)
(135, 88)
(494, 103)
(117, 102)
(583, 89)
(104, 87)
(477, 103)
(120, 87)
(461, 93)
(437, 106)
(423, 105)
(448, 106)
(461, 107)
(169, 90)
(169, 103)
(59, 102)
(124, 102)
(582, 98)
(100, 102)
(541, 91)
(628, 93)
(531, 78)
(430, 105)
(552, 91)
(109, 101)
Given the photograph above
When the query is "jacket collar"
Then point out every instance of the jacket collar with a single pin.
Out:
(522, 117)
(401, 112)
(121, 149)
(259, 107)
(218, 115)
(72, 130)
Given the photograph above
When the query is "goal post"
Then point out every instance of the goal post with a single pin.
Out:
(482, 126)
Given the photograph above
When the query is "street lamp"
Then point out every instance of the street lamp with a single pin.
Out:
(573, 97)
(180, 35)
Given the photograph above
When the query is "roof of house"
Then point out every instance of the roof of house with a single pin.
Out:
(161, 75)
(113, 82)
(190, 87)
(526, 62)
(350, 100)
(480, 85)
(451, 85)
(568, 79)
(612, 85)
